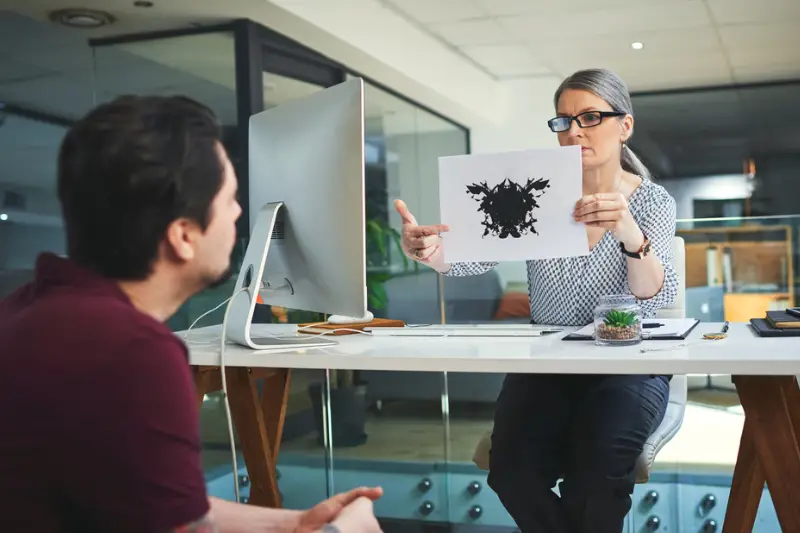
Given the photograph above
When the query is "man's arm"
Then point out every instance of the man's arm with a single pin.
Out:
(203, 525)
(231, 517)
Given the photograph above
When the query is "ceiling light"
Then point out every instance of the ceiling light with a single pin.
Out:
(637, 45)
(81, 18)
(3, 216)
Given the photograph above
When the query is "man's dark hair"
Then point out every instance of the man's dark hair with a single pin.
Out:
(130, 168)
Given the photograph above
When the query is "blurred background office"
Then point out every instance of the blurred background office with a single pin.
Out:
(715, 88)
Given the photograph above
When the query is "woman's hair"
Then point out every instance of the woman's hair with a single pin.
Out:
(610, 87)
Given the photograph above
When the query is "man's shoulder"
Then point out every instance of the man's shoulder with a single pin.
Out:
(83, 322)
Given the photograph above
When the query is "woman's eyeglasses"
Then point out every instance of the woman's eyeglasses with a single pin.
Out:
(588, 119)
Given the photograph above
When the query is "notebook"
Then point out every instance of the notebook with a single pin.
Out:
(763, 328)
(652, 329)
(783, 320)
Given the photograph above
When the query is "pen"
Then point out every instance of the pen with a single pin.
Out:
(651, 325)
(725, 327)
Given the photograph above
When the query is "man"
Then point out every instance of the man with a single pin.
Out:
(99, 420)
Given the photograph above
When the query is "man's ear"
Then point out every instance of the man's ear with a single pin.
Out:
(181, 237)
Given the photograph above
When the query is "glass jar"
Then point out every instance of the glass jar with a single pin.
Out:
(617, 321)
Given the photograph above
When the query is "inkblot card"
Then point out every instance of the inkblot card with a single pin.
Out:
(512, 206)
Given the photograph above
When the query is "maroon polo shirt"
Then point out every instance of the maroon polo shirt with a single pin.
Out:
(98, 417)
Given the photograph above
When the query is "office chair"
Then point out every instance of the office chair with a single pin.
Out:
(676, 408)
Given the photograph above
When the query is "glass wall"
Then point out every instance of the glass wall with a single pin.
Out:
(44, 86)
(399, 440)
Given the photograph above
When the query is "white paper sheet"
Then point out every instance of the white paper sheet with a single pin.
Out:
(670, 327)
(512, 206)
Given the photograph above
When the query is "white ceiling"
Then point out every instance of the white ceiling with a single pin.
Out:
(686, 42)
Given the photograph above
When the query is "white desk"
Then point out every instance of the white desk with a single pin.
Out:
(764, 371)
(743, 353)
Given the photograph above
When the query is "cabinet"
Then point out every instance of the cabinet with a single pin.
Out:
(753, 263)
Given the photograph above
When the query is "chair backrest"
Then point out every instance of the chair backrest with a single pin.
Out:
(678, 262)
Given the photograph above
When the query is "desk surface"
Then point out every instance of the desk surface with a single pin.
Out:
(742, 353)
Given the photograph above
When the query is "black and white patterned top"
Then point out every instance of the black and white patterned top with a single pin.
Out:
(565, 291)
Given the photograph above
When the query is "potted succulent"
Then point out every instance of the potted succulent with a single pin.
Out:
(618, 321)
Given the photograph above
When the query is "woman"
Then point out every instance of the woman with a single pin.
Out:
(587, 429)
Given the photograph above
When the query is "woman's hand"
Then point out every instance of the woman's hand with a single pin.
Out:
(610, 211)
(421, 243)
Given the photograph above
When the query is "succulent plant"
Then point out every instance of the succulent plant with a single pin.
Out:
(619, 319)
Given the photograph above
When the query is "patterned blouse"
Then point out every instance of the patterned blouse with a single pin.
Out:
(565, 291)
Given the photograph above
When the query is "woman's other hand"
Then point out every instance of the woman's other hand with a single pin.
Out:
(422, 243)
(610, 211)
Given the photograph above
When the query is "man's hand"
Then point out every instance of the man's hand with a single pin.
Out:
(358, 517)
(330, 509)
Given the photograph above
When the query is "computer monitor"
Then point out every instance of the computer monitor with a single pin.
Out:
(307, 238)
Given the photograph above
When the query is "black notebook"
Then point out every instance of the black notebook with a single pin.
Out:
(763, 328)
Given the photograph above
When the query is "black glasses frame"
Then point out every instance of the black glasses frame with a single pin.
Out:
(577, 119)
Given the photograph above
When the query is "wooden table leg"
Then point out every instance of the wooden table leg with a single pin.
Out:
(248, 418)
(274, 400)
(747, 486)
(206, 379)
(772, 426)
(258, 421)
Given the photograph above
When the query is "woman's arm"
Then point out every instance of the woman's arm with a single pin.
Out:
(652, 278)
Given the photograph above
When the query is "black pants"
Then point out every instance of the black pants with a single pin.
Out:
(587, 430)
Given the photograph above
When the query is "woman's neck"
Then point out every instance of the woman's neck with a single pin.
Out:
(607, 178)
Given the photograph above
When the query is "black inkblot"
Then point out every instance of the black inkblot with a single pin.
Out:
(508, 207)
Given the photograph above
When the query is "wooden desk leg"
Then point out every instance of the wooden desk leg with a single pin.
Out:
(747, 486)
(248, 418)
(206, 380)
(274, 399)
(772, 419)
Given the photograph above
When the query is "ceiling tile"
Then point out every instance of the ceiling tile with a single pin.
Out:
(428, 11)
(472, 32)
(753, 44)
(560, 27)
(499, 54)
(657, 45)
(506, 60)
(642, 74)
(750, 11)
(525, 7)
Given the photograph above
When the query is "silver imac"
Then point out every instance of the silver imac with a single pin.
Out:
(307, 239)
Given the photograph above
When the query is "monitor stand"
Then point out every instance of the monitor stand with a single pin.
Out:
(249, 282)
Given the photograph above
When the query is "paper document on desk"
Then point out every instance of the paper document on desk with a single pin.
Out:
(512, 206)
(653, 328)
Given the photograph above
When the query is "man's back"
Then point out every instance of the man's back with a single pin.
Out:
(99, 421)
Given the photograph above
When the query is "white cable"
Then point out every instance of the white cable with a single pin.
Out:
(222, 341)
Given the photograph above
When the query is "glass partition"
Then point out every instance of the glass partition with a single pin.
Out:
(45, 85)
(389, 427)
